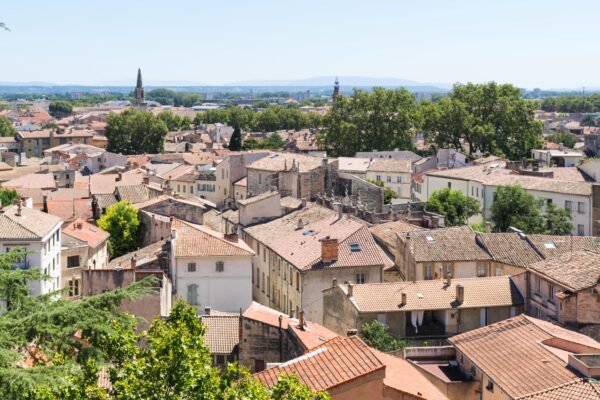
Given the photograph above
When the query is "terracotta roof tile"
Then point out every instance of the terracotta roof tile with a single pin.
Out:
(86, 232)
(577, 271)
(198, 241)
(390, 165)
(32, 181)
(509, 248)
(386, 232)
(579, 389)
(31, 224)
(283, 161)
(449, 244)
(222, 333)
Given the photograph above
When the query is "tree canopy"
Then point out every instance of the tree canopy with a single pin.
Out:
(382, 120)
(235, 143)
(121, 221)
(6, 127)
(455, 206)
(173, 121)
(388, 193)
(489, 118)
(8, 197)
(60, 109)
(168, 97)
(135, 132)
(514, 207)
(572, 104)
(377, 335)
(566, 138)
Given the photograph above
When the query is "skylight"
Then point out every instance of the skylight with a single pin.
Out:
(429, 239)
(308, 232)
(550, 245)
(354, 247)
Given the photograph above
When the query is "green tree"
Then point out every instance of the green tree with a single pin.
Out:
(489, 118)
(8, 196)
(388, 193)
(60, 109)
(455, 206)
(273, 142)
(514, 207)
(121, 221)
(589, 120)
(235, 143)
(6, 127)
(135, 132)
(383, 120)
(377, 335)
(559, 220)
(173, 121)
(566, 138)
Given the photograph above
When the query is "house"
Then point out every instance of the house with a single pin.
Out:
(354, 371)
(43, 181)
(222, 336)
(437, 308)
(33, 143)
(299, 254)
(84, 246)
(270, 336)
(353, 166)
(565, 187)
(240, 189)
(38, 234)
(395, 174)
(295, 175)
(232, 168)
(258, 209)
(558, 157)
(69, 204)
(210, 269)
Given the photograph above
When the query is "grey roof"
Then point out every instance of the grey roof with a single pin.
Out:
(31, 224)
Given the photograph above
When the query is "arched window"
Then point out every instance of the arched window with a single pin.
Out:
(192, 294)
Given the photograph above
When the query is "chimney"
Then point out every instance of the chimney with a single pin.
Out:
(207, 310)
(19, 207)
(300, 224)
(351, 332)
(449, 280)
(119, 176)
(303, 202)
(403, 300)
(146, 180)
(301, 320)
(350, 289)
(488, 227)
(460, 294)
(329, 250)
(334, 282)
(339, 207)
(133, 261)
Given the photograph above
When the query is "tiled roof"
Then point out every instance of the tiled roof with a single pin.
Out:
(579, 389)
(134, 193)
(198, 241)
(32, 181)
(389, 165)
(68, 194)
(449, 244)
(105, 200)
(551, 246)
(335, 362)
(36, 195)
(351, 164)
(577, 271)
(142, 256)
(222, 333)
(31, 224)
(387, 231)
(310, 336)
(86, 232)
(102, 184)
(492, 291)
(283, 161)
(509, 248)
(178, 172)
(28, 169)
(68, 210)
(519, 355)
(242, 182)
(254, 199)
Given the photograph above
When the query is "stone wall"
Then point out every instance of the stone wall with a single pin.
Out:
(263, 342)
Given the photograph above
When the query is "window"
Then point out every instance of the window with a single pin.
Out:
(219, 360)
(192, 189)
(538, 285)
(377, 177)
(257, 277)
(580, 207)
(548, 201)
(389, 179)
(481, 269)
(428, 273)
(499, 270)
(354, 247)
(252, 273)
(298, 281)
(568, 205)
(263, 282)
(472, 191)
(398, 179)
(74, 287)
(192, 294)
(449, 185)
(477, 191)
(490, 385)
(184, 188)
(360, 278)
(259, 179)
(551, 289)
(179, 188)
(268, 285)
(447, 270)
(473, 370)
(191, 267)
(220, 266)
(72, 261)
(580, 230)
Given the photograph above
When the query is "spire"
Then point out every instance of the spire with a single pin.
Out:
(336, 89)
(139, 79)
(139, 90)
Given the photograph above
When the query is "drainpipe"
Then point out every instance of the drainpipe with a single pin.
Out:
(280, 339)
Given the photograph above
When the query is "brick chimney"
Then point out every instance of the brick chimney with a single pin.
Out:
(329, 250)
(301, 321)
(207, 310)
(403, 300)
(146, 180)
(133, 261)
(350, 289)
(460, 294)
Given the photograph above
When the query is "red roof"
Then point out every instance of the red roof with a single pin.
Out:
(86, 232)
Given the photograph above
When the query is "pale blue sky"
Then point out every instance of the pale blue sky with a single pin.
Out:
(526, 42)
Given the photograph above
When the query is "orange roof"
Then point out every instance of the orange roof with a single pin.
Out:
(335, 362)
(199, 241)
(69, 209)
(86, 232)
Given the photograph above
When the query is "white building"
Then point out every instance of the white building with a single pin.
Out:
(394, 173)
(210, 269)
(567, 189)
(559, 158)
(38, 234)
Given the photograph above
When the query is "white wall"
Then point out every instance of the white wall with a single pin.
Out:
(229, 290)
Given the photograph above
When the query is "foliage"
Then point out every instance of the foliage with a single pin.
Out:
(455, 206)
(235, 143)
(589, 120)
(6, 127)
(8, 197)
(480, 227)
(272, 142)
(382, 120)
(572, 104)
(388, 193)
(168, 97)
(173, 121)
(50, 125)
(489, 118)
(121, 221)
(566, 138)
(377, 335)
(135, 132)
(514, 207)
(60, 109)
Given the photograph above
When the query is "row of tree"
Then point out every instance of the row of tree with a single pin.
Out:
(512, 207)
(135, 132)
(572, 104)
(168, 97)
(486, 118)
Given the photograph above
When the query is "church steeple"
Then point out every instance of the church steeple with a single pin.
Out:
(139, 90)
(336, 89)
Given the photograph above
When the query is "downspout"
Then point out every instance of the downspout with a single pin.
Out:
(280, 339)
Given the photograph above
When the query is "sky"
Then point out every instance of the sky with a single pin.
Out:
(530, 43)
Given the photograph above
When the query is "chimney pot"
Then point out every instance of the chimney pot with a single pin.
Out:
(334, 282)
(207, 310)
(301, 320)
(403, 301)
(460, 294)
(448, 279)
(350, 289)
(352, 332)
(488, 227)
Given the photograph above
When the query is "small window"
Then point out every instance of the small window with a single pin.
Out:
(447, 270)
(220, 266)
(481, 269)
(499, 270)
(428, 271)
(580, 230)
(354, 247)
(220, 359)
(551, 290)
(449, 185)
(580, 207)
(389, 179)
(191, 267)
(490, 385)
(568, 205)
(72, 261)
(74, 287)
(538, 285)
(192, 294)
(429, 239)
(360, 278)
(550, 245)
